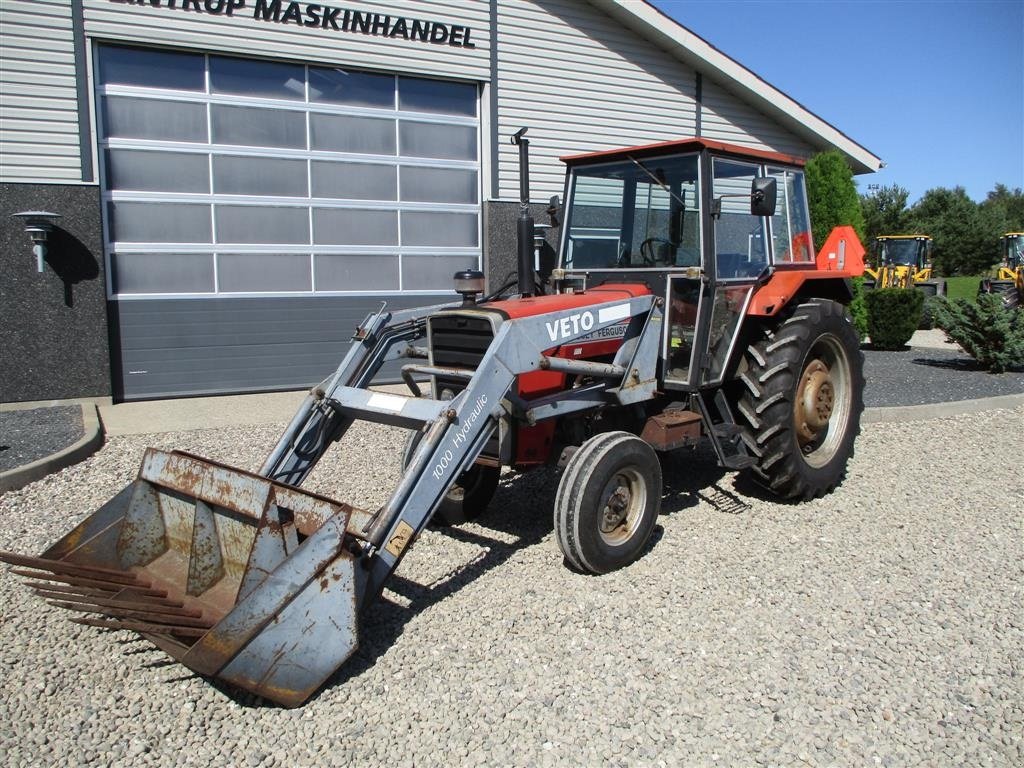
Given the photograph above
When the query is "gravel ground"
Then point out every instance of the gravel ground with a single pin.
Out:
(882, 625)
(33, 434)
(922, 375)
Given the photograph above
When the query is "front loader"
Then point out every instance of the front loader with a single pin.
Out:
(687, 305)
(904, 261)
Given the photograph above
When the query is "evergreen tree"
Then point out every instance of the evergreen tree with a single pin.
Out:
(885, 212)
(965, 236)
(1008, 205)
(832, 196)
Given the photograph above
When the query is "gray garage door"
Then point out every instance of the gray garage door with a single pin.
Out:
(256, 210)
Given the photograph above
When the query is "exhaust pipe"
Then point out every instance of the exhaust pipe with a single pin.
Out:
(524, 227)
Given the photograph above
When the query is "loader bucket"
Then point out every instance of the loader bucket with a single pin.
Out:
(237, 577)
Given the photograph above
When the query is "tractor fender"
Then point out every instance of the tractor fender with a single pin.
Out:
(785, 287)
(840, 259)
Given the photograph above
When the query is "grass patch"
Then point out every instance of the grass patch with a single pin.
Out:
(962, 288)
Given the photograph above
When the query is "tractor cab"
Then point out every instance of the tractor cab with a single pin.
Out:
(913, 251)
(1011, 246)
(701, 223)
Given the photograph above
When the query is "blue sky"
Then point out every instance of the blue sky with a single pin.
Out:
(935, 89)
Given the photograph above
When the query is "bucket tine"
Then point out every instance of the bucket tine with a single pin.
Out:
(141, 626)
(131, 605)
(92, 583)
(74, 569)
(39, 587)
(46, 589)
(157, 619)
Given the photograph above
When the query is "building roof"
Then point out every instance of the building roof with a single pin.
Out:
(679, 146)
(695, 51)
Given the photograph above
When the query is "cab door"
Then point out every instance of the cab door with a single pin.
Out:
(740, 256)
(708, 301)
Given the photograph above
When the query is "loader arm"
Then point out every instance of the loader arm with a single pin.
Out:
(380, 338)
(459, 429)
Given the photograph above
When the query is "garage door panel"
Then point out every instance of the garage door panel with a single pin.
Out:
(235, 345)
(256, 211)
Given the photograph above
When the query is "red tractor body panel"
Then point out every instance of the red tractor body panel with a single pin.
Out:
(533, 444)
(538, 305)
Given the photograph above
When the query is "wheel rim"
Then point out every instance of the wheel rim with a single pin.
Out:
(821, 407)
(622, 503)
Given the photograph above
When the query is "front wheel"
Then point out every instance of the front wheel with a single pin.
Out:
(803, 400)
(470, 493)
(608, 502)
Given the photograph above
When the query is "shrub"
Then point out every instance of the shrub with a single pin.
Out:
(893, 316)
(990, 333)
(858, 309)
(928, 312)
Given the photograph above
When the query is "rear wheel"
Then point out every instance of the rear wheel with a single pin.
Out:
(1013, 299)
(803, 399)
(608, 502)
(469, 495)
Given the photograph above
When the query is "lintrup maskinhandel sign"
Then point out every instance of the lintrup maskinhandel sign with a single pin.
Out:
(328, 17)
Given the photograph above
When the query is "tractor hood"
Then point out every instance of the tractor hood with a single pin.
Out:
(539, 305)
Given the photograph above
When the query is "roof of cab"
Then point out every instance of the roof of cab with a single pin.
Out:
(682, 146)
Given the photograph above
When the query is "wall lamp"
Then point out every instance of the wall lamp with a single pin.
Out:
(38, 224)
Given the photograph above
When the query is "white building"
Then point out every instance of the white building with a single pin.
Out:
(241, 181)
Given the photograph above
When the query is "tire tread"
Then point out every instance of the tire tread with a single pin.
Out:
(775, 362)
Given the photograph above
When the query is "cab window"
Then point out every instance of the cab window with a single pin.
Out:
(740, 249)
(791, 224)
(642, 214)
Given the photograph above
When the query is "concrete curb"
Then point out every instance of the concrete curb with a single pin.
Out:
(91, 441)
(894, 414)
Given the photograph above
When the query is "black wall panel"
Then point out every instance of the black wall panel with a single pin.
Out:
(53, 325)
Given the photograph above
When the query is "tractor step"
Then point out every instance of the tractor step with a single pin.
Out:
(738, 461)
(725, 434)
(726, 431)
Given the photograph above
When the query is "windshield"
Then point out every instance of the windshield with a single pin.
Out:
(634, 215)
(902, 253)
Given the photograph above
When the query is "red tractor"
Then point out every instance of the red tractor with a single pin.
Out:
(687, 304)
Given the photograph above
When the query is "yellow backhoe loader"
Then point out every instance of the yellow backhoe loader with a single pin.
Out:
(1009, 279)
(903, 261)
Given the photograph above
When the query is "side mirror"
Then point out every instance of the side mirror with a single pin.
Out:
(763, 192)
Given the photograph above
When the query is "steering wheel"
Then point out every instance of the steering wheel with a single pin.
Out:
(647, 252)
